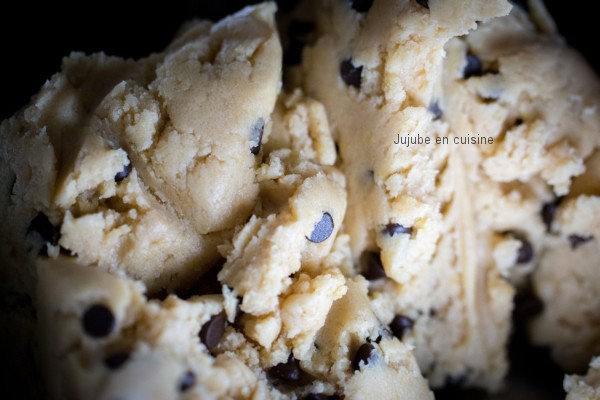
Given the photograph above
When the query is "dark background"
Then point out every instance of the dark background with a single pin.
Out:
(35, 37)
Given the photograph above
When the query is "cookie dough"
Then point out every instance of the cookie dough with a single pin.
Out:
(584, 387)
(522, 85)
(412, 213)
(188, 244)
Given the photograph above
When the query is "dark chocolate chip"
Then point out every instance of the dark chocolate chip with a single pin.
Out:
(577, 240)
(423, 3)
(187, 381)
(473, 66)
(322, 229)
(396, 229)
(435, 109)
(525, 253)
(363, 354)
(400, 325)
(361, 6)
(256, 136)
(372, 265)
(43, 227)
(116, 360)
(527, 305)
(548, 212)
(124, 173)
(287, 372)
(98, 321)
(351, 75)
(212, 331)
(518, 121)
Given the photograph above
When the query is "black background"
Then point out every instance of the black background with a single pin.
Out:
(35, 37)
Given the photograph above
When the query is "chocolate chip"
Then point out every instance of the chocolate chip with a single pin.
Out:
(548, 212)
(187, 381)
(396, 229)
(288, 372)
(351, 75)
(400, 324)
(124, 173)
(435, 109)
(518, 121)
(98, 321)
(116, 360)
(372, 265)
(43, 227)
(256, 136)
(212, 331)
(577, 240)
(363, 354)
(423, 3)
(322, 229)
(473, 66)
(527, 305)
(361, 6)
(525, 253)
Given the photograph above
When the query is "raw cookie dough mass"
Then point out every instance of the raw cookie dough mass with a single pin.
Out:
(377, 71)
(178, 227)
(182, 232)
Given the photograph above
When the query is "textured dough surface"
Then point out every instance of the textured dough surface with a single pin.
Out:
(437, 278)
(224, 225)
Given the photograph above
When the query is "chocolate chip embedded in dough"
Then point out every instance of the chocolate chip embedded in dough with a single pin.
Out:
(423, 3)
(98, 321)
(577, 240)
(123, 173)
(288, 372)
(400, 325)
(361, 6)
(350, 74)
(43, 227)
(525, 253)
(322, 229)
(363, 354)
(212, 331)
(372, 265)
(434, 108)
(549, 211)
(256, 136)
(473, 66)
(396, 229)
(116, 360)
(187, 381)
(527, 305)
